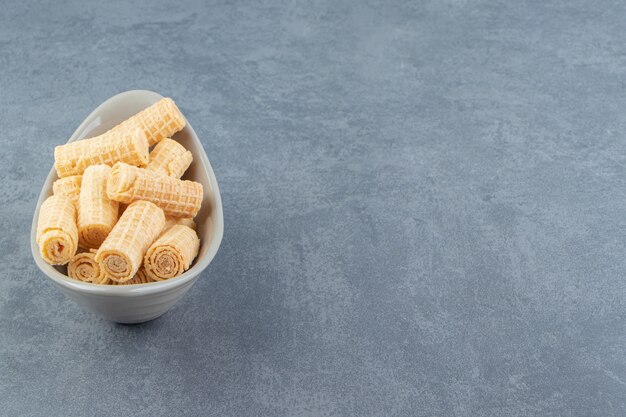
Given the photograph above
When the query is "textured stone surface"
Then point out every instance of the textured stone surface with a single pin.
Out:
(424, 205)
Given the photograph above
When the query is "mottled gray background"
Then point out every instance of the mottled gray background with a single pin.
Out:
(425, 208)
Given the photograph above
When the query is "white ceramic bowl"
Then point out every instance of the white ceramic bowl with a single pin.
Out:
(142, 302)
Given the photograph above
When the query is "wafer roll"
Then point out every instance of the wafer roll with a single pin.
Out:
(176, 197)
(129, 146)
(139, 278)
(169, 158)
(159, 121)
(84, 267)
(69, 187)
(97, 214)
(57, 235)
(121, 253)
(172, 253)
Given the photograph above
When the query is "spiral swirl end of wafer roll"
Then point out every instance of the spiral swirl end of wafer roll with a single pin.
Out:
(56, 247)
(117, 265)
(121, 254)
(83, 267)
(120, 183)
(169, 158)
(57, 235)
(68, 187)
(172, 253)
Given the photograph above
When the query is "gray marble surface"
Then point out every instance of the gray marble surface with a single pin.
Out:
(425, 208)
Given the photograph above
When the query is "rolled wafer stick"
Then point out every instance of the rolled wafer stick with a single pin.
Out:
(57, 234)
(97, 214)
(176, 197)
(83, 267)
(121, 253)
(169, 158)
(126, 145)
(69, 187)
(139, 278)
(159, 121)
(172, 253)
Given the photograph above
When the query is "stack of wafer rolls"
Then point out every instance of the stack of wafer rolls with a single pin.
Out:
(124, 207)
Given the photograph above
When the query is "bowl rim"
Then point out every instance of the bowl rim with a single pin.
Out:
(217, 217)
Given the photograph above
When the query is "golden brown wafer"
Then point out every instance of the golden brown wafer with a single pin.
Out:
(176, 197)
(97, 214)
(83, 267)
(172, 253)
(169, 158)
(129, 146)
(69, 187)
(159, 121)
(121, 253)
(57, 234)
